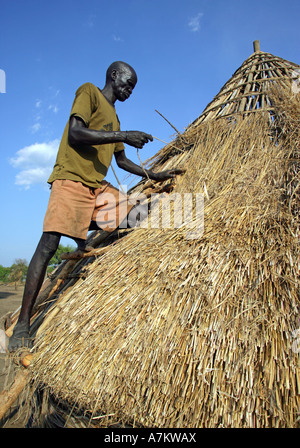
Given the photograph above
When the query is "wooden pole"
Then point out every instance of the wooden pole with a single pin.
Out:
(256, 46)
(8, 397)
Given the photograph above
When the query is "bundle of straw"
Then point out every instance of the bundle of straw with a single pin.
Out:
(171, 332)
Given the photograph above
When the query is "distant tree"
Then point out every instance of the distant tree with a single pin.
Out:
(18, 271)
(4, 274)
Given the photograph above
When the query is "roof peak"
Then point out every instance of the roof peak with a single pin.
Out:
(248, 88)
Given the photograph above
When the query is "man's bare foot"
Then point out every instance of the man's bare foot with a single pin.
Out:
(77, 254)
(20, 337)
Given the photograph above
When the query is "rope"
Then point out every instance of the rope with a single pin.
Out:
(166, 143)
(117, 179)
(142, 166)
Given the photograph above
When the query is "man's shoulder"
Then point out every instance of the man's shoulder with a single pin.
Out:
(87, 87)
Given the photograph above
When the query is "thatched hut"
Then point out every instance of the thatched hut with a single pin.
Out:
(161, 330)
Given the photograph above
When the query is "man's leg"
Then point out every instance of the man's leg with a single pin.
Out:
(81, 245)
(36, 273)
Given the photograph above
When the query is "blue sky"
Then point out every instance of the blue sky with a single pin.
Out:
(183, 52)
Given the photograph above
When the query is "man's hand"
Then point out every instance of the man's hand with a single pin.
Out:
(164, 175)
(131, 167)
(137, 139)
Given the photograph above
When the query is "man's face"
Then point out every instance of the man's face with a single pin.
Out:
(124, 83)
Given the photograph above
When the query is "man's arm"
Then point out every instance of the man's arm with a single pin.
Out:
(79, 134)
(132, 168)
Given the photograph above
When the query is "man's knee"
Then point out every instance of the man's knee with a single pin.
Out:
(49, 244)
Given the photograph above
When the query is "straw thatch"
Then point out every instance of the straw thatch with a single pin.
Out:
(166, 331)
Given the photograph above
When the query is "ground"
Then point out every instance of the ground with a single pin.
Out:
(10, 300)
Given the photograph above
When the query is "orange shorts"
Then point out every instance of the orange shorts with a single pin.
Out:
(73, 205)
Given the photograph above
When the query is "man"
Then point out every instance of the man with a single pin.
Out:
(91, 137)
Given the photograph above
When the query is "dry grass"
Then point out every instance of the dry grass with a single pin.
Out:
(171, 332)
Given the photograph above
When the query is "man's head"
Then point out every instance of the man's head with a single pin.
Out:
(122, 78)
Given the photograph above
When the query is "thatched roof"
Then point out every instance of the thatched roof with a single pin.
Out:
(161, 330)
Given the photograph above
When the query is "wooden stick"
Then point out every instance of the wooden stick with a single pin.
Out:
(7, 398)
(256, 46)
(178, 133)
(91, 253)
(168, 122)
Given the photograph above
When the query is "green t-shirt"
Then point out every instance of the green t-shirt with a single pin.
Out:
(88, 164)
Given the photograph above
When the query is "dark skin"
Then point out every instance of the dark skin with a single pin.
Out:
(120, 82)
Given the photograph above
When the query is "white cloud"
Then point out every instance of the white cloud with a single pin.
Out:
(194, 23)
(117, 39)
(35, 163)
(32, 176)
(42, 108)
(54, 108)
(35, 127)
